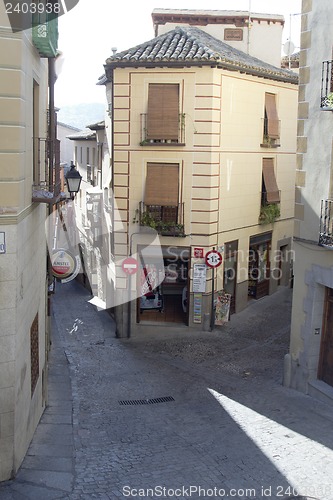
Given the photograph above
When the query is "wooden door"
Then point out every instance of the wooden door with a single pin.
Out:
(325, 372)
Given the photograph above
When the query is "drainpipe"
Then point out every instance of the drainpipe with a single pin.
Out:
(51, 131)
(51, 137)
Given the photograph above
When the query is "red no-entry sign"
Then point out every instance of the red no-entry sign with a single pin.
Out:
(213, 259)
(130, 265)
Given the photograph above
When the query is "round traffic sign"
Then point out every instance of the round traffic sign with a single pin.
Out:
(130, 265)
(213, 258)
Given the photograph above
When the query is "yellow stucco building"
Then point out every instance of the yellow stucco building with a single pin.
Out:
(202, 140)
(309, 364)
(24, 325)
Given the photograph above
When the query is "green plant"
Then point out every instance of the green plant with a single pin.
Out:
(269, 213)
(148, 220)
(269, 141)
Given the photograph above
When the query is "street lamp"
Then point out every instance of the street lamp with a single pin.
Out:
(73, 180)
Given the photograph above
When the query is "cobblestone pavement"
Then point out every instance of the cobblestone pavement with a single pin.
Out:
(186, 415)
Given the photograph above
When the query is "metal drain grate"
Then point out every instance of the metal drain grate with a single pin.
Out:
(135, 402)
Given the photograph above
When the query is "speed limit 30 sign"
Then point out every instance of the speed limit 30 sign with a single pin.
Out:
(213, 259)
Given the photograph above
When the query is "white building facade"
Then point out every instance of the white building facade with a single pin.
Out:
(309, 365)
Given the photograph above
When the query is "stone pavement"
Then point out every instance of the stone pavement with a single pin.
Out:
(174, 414)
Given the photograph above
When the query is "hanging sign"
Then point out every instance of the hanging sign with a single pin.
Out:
(213, 259)
(199, 278)
(64, 265)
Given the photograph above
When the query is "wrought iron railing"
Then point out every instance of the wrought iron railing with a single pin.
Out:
(144, 141)
(166, 220)
(47, 182)
(326, 224)
(326, 95)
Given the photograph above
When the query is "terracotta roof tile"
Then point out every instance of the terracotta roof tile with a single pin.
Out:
(193, 46)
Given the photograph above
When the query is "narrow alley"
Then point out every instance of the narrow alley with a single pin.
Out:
(174, 414)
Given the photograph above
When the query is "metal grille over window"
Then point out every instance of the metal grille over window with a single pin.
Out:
(34, 353)
(326, 97)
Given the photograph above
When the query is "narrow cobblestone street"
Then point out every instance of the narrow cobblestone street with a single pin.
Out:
(224, 426)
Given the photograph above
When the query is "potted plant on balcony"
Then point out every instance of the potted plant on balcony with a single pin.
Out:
(170, 229)
(269, 213)
(163, 228)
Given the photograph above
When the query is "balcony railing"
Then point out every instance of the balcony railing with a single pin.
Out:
(180, 141)
(267, 140)
(166, 220)
(326, 96)
(326, 224)
(47, 185)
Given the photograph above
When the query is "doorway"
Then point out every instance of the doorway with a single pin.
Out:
(325, 371)
(167, 302)
(284, 265)
(259, 266)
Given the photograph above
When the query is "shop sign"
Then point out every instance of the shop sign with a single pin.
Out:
(199, 278)
(233, 34)
(222, 309)
(197, 308)
(2, 243)
(198, 253)
(64, 265)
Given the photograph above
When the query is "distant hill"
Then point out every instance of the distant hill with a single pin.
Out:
(81, 115)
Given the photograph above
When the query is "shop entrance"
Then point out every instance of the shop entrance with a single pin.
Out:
(168, 301)
(325, 371)
(230, 272)
(259, 265)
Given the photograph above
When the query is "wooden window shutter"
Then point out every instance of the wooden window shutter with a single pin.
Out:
(272, 190)
(272, 116)
(163, 112)
(162, 184)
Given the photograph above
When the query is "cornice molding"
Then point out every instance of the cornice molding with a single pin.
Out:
(14, 219)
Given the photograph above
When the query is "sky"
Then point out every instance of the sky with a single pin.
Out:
(88, 33)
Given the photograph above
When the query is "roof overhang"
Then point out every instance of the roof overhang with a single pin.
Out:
(293, 79)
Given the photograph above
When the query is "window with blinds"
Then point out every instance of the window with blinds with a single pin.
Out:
(162, 191)
(270, 190)
(163, 113)
(271, 122)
